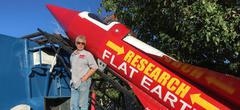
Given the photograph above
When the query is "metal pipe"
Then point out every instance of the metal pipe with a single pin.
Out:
(32, 35)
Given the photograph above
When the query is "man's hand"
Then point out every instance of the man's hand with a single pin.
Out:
(84, 78)
(88, 74)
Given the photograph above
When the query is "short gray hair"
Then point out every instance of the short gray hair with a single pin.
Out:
(81, 38)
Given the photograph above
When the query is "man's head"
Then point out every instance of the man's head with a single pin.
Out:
(80, 42)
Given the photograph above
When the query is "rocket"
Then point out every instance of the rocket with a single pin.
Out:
(158, 81)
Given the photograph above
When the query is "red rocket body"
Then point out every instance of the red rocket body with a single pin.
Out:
(159, 81)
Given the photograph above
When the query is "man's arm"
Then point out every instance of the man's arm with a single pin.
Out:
(93, 67)
(90, 72)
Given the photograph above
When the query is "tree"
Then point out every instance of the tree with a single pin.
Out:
(199, 32)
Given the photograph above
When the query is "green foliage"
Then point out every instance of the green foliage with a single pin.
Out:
(200, 32)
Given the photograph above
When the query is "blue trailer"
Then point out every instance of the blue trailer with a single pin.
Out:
(26, 78)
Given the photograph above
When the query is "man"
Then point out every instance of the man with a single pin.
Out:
(83, 67)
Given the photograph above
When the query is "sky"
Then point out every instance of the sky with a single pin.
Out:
(22, 17)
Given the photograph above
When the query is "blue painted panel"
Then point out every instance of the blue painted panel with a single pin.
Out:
(13, 68)
(19, 84)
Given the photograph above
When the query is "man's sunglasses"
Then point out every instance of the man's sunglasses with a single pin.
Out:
(80, 43)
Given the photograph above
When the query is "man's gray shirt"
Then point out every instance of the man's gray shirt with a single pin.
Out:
(81, 62)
